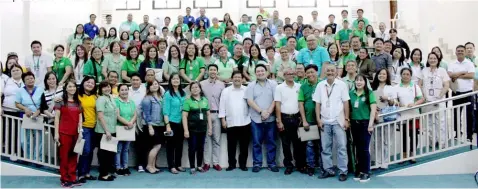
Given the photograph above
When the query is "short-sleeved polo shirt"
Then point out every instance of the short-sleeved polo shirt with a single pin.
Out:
(225, 69)
(331, 98)
(360, 107)
(263, 96)
(192, 68)
(131, 66)
(59, 67)
(343, 35)
(356, 22)
(243, 28)
(287, 96)
(88, 103)
(361, 34)
(126, 109)
(280, 66)
(305, 95)
(283, 42)
(215, 32)
(106, 105)
(30, 101)
(345, 58)
(88, 69)
(75, 40)
(195, 108)
(408, 94)
(318, 56)
(230, 45)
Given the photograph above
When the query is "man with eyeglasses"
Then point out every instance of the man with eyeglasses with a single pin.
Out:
(314, 54)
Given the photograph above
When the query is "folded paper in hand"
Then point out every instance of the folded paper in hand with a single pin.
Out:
(123, 134)
(109, 145)
(312, 134)
(80, 143)
(29, 123)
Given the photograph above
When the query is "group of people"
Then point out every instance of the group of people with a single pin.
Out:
(297, 75)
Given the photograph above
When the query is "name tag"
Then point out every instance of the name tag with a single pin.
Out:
(201, 116)
(356, 104)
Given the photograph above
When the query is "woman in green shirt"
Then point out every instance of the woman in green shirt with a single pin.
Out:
(206, 53)
(363, 109)
(75, 40)
(61, 65)
(202, 26)
(93, 67)
(107, 114)
(142, 51)
(127, 119)
(114, 60)
(172, 108)
(215, 30)
(172, 64)
(225, 20)
(256, 58)
(196, 122)
(282, 64)
(191, 67)
(225, 65)
(131, 64)
(100, 40)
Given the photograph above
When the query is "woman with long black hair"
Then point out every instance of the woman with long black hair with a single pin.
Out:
(398, 62)
(93, 67)
(255, 59)
(79, 60)
(152, 60)
(364, 107)
(172, 63)
(192, 66)
(172, 107)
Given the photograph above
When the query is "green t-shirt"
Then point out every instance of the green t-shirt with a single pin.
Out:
(225, 69)
(106, 105)
(305, 95)
(215, 32)
(345, 58)
(243, 28)
(343, 35)
(192, 69)
(88, 69)
(59, 67)
(230, 45)
(130, 66)
(195, 108)
(126, 109)
(360, 108)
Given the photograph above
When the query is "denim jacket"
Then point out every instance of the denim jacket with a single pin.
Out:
(152, 111)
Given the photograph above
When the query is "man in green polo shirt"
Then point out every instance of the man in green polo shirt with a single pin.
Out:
(244, 26)
(229, 40)
(360, 32)
(343, 34)
(360, 18)
(345, 57)
(308, 117)
(300, 74)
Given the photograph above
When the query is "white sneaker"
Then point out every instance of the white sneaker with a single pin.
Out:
(140, 169)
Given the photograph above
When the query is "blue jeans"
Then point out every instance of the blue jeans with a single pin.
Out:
(361, 138)
(34, 135)
(121, 160)
(196, 148)
(260, 132)
(330, 133)
(84, 162)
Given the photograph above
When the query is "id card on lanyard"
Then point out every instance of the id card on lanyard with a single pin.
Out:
(36, 65)
(328, 95)
(201, 116)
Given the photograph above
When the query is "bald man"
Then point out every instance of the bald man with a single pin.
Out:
(314, 54)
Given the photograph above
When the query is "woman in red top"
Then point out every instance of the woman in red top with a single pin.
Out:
(67, 126)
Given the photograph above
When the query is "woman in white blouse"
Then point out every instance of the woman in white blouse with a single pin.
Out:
(78, 61)
(398, 62)
(416, 66)
(409, 95)
(12, 85)
(435, 86)
(386, 95)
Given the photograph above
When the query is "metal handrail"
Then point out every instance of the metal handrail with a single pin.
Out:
(431, 103)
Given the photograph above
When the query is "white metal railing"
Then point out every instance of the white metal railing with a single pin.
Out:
(393, 140)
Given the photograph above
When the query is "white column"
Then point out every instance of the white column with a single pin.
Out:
(26, 28)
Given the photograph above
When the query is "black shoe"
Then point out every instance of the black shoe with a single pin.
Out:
(256, 169)
(326, 174)
(76, 183)
(274, 169)
(244, 168)
(230, 168)
(126, 172)
(365, 177)
(82, 180)
(120, 172)
(310, 171)
(302, 170)
(342, 177)
(90, 177)
(113, 176)
(66, 185)
(357, 176)
(288, 171)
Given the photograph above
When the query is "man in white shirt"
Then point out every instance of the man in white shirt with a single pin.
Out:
(39, 63)
(316, 23)
(288, 120)
(383, 33)
(332, 111)
(461, 73)
(234, 115)
(109, 23)
(253, 34)
(345, 15)
(136, 92)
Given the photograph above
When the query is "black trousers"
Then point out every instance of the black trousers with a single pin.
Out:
(351, 152)
(196, 148)
(289, 136)
(241, 135)
(141, 147)
(106, 159)
(174, 146)
(469, 112)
